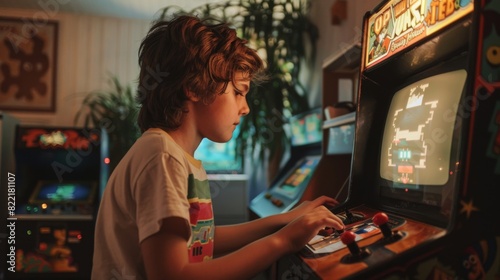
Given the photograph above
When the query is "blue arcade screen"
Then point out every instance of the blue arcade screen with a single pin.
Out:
(63, 192)
(306, 128)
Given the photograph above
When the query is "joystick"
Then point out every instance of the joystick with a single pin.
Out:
(349, 214)
(351, 218)
(381, 220)
(357, 254)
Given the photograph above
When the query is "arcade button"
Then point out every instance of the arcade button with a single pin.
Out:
(277, 202)
(330, 231)
(44, 207)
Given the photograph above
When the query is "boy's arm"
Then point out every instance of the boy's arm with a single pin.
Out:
(166, 256)
(232, 237)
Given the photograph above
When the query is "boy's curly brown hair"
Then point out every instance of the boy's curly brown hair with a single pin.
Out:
(188, 54)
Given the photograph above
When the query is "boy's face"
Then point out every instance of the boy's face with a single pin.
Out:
(217, 121)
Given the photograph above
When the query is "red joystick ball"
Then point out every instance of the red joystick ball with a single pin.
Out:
(380, 220)
(349, 239)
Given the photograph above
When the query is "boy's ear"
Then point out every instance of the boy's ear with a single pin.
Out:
(191, 95)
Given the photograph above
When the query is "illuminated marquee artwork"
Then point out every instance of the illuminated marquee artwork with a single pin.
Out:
(58, 139)
(402, 23)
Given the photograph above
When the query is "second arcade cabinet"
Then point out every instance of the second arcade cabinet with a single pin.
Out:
(292, 180)
(60, 174)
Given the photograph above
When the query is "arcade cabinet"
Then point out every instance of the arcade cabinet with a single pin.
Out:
(60, 174)
(426, 156)
(305, 154)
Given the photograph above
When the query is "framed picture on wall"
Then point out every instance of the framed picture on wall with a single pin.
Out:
(28, 60)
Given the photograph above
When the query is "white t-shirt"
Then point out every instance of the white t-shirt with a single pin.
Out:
(156, 179)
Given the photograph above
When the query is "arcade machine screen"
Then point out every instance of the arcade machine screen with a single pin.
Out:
(418, 159)
(419, 152)
(306, 128)
(341, 134)
(297, 178)
(67, 192)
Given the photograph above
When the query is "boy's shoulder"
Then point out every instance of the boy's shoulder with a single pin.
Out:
(156, 143)
(159, 140)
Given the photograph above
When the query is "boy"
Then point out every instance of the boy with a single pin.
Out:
(155, 220)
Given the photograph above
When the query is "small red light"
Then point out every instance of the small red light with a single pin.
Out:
(406, 190)
(79, 236)
(107, 160)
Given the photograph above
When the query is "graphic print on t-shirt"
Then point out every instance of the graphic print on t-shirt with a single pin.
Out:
(201, 220)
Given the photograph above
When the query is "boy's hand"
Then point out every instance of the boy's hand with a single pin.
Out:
(296, 234)
(307, 206)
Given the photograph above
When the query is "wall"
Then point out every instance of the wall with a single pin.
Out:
(90, 50)
(333, 38)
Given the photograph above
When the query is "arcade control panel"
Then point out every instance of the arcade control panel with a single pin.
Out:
(287, 191)
(358, 227)
(370, 237)
(52, 210)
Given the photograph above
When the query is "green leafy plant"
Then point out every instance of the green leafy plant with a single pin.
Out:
(116, 111)
(285, 38)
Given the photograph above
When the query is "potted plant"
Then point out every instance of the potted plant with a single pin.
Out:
(278, 30)
(116, 111)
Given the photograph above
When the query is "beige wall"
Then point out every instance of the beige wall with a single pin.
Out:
(90, 49)
(333, 38)
(93, 47)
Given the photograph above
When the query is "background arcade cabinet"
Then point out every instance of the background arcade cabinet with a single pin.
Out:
(427, 150)
(60, 174)
(286, 190)
(307, 173)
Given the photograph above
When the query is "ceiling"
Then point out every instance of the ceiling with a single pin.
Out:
(139, 9)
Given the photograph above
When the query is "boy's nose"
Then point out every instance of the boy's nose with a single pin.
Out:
(245, 109)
